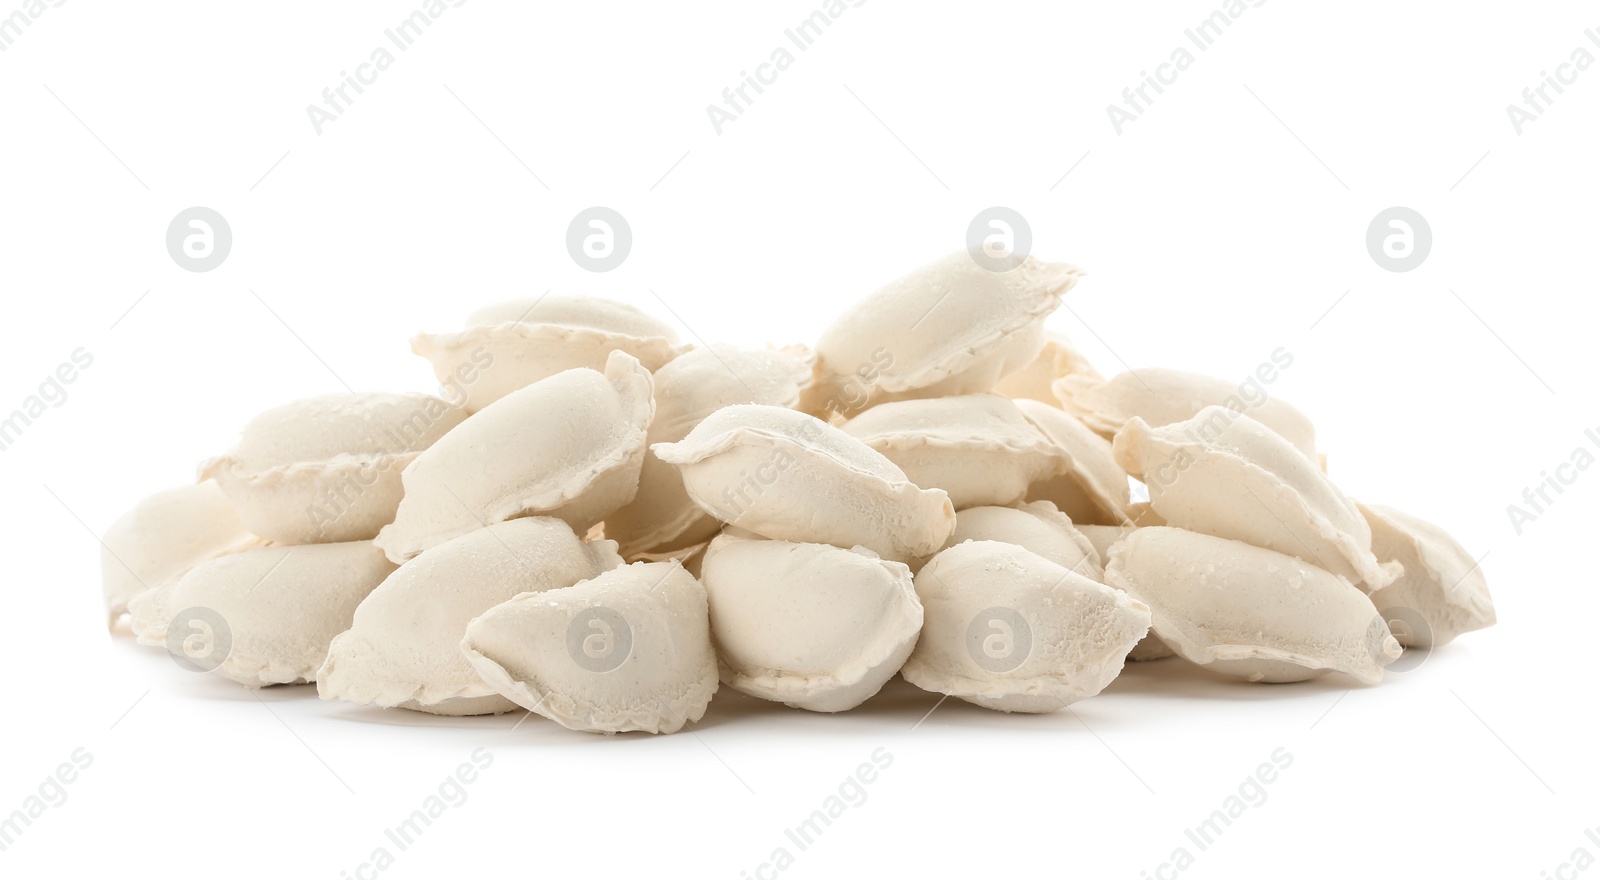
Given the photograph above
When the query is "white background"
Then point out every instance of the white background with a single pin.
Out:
(1220, 225)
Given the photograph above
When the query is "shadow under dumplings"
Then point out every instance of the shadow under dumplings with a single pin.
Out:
(1174, 677)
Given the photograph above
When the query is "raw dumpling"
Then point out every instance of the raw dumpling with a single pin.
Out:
(1010, 630)
(1248, 612)
(164, 536)
(511, 345)
(627, 650)
(811, 625)
(976, 447)
(1036, 526)
(569, 446)
(1441, 593)
(1058, 358)
(264, 616)
(786, 475)
(1224, 474)
(1162, 397)
(1093, 488)
(404, 646)
(951, 327)
(327, 469)
(661, 518)
(1104, 538)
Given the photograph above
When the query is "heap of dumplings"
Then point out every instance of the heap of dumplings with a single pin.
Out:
(601, 525)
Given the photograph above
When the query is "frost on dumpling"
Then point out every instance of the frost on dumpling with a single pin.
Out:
(627, 650)
(1103, 538)
(661, 518)
(404, 646)
(950, 327)
(569, 446)
(510, 345)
